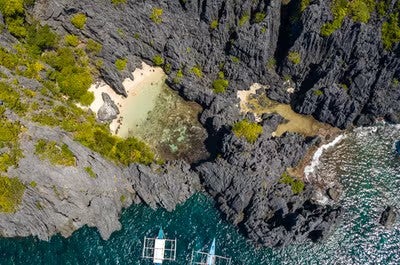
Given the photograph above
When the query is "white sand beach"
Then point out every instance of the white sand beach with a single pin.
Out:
(142, 91)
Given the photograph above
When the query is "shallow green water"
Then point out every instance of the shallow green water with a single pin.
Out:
(364, 161)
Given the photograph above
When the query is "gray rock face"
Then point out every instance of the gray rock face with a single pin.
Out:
(67, 198)
(109, 110)
(388, 217)
(244, 181)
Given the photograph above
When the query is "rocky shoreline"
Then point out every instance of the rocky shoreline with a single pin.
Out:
(243, 178)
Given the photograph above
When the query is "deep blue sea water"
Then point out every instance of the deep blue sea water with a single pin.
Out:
(365, 163)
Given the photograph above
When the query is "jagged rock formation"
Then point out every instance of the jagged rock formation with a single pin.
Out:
(109, 110)
(244, 180)
(64, 199)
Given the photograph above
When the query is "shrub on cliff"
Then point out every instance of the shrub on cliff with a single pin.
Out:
(11, 192)
(156, 14)
(221, 84)
(196, 70)
(248, 130)
(121, 63)
(390, 32)
(158, 60)
(296, 185)
(54, 153)
(294, 57)
(79, 20)
(71, 40)
(11, 7)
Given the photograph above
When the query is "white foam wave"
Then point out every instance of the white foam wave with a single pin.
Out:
(310, 169)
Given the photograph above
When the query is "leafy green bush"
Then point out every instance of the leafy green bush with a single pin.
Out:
(297, 186)
(87, 98)
(294, 57)
(318, 92)
(57, 155)
(259, 17)
(40, 38)
(214, 24)
(9, 137)
(90, 171)
(178, 76)
(71, 40)
(15, 26)
(390, 32)
(196, 70)
(121, 63)
(359, 11)
(118, 2)
(244, 19)
(158, 60)
(79, 20)
(11, 192)
(221, 84)
(235, 59)
(304, 4)
(93, 46)
(11, 7)
(156, 14)
(248, 130)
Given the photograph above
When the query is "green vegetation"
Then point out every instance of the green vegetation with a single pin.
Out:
(79, 20)
(33, 184)
(304, 4)
(90, 171)
(358, 10)
(118, 2)
(271, 64)
(259, 17)
(390, 32)
(71, 40)
(93, 46)
(196, 70)
(9, 136)
(244, 19)
(97, 137)
(156, 15)
(121, 63)
(395, 82)
(122, 198)
(57, 155)
(72, 71)
(158, 60)
(296, 185)
(11, 192)
(235, 59)
(318, 92)
(294, 57)
(178, 76)
(214, 24)
(248, 130)
(221, 84)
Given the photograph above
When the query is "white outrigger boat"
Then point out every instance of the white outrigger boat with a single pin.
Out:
(159, 249)
(204, 258)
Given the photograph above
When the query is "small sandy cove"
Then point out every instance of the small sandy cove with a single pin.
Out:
(145, 74)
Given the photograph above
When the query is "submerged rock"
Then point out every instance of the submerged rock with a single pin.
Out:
(397, 146)
(109, 110)
(388, 217)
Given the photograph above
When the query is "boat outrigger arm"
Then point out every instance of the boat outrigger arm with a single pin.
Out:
(159, 249)
(209, 258)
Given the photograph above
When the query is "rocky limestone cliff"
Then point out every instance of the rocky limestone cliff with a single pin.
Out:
(244, 179)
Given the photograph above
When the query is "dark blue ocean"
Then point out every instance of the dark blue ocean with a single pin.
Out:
(364, 162)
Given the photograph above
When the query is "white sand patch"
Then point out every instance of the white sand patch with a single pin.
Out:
(146, 74)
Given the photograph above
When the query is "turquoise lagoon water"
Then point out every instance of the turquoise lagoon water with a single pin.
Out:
(365, 163)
